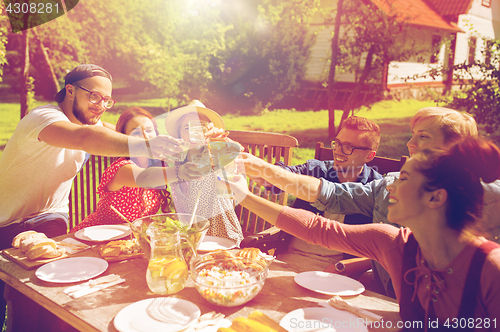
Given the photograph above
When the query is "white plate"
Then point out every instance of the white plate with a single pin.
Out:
(322, 319)
(71, 269)
(211, 243)
(134, 317)
(329, 283)
(103, 233)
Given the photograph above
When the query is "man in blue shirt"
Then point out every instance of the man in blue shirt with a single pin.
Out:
(355, 145)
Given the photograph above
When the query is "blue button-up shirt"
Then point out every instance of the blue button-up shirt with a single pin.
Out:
(325, 170)
(372, 199)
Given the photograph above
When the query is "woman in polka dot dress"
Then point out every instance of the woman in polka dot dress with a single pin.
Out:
(126, 184)
(220, 211)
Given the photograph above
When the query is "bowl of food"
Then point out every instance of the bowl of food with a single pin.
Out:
(229, 278)
(169, 222)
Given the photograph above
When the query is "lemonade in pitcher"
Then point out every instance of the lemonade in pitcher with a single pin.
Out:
(167, 274)
(167, 270)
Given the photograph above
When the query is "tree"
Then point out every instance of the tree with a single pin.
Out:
(480, 95)
(266, 52)
(369, 39)
(3, 38)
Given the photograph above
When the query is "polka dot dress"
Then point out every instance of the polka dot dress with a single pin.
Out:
(127, 200)
(220, 211)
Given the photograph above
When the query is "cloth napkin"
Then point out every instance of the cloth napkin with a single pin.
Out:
(93, 286)
(73, 246)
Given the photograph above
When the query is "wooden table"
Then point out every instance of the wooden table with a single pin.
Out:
(95, 312)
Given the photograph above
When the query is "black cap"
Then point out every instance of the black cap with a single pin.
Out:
(79, 73)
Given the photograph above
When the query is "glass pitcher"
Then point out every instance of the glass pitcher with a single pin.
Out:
(167, 269)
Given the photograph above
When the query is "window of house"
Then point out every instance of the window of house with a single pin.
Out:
(436, 43)
(487, 52)
(472, 49)
(486, 3)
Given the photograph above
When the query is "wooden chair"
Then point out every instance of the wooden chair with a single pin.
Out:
(271, 147)
(83, 195)
(382, 165)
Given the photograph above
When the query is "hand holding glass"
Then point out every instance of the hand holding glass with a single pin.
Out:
(197, 130)
(225, 174)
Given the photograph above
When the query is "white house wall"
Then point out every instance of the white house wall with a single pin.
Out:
(417, 66)
(479, 22)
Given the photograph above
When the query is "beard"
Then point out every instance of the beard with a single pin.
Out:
(86, 118)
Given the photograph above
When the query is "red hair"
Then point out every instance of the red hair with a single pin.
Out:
(460, 171)
(124, 118)
(131, 113)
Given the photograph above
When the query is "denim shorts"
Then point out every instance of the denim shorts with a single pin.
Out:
(52, 224)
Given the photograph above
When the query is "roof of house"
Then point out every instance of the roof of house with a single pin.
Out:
(451, 7)
(419, 13)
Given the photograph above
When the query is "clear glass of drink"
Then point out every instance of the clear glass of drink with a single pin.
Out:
(225, 174)
(202, 160)
(181, 156)
(197, 130)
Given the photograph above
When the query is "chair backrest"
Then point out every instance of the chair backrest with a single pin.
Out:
(83, 195)
(382, 165)
(271, 147)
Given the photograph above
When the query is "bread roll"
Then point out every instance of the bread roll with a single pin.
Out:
(30, 240)
(54, 254)
(17, 239)
(35, 253)
(40, 242)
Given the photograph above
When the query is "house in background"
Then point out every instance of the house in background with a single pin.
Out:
(464, 23)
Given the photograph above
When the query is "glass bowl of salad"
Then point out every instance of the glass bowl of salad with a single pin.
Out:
(228, 279)
(169, 222)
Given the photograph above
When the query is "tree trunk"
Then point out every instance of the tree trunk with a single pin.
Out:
(331, 76)
(25, 46)
(353, 99)
(48, 69)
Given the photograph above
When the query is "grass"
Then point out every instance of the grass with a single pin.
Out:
(308, 127)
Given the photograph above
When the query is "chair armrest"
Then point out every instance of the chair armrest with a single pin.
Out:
(353, 267)
(271, 238)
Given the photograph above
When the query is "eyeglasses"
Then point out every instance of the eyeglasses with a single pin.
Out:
(347, 149)
(96, 98)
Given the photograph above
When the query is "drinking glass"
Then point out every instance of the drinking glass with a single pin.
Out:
(202, 161)
(181, 156)
(197, 130)
(226, 173)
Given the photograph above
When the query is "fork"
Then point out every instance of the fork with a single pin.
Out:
(208, 319)
(337, 302)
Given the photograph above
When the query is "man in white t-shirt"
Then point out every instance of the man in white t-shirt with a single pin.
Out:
(48, 149)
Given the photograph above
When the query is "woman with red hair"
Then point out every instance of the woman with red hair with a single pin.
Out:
(443, 274)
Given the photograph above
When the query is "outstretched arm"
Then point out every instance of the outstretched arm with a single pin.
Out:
(134, 176)
(301, 186)
(105, 142)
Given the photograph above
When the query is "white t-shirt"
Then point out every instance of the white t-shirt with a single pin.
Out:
(36, 177)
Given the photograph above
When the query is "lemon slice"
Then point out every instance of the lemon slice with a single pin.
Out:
(175, 269)
(175, 287)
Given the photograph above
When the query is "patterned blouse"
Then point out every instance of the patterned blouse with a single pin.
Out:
(127, 200)
(220, 211)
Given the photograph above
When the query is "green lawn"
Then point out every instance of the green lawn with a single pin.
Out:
(308, 127)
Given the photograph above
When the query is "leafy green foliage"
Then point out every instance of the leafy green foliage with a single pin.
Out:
(266, 52)
(4, 22)
(481, 93)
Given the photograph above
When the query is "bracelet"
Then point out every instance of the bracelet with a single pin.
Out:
(177, 174)
(149, 149)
